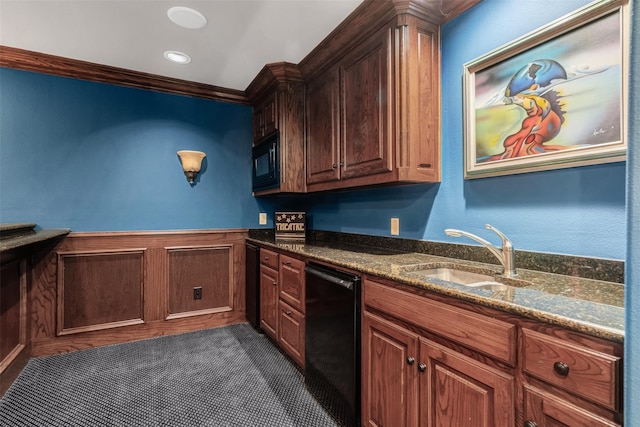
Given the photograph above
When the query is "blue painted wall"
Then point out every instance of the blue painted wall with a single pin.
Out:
(579, 211)
(99, 157)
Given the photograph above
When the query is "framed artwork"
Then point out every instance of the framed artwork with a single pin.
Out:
(553, 98)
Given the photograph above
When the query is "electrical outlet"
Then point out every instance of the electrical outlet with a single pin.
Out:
(262, 218)
(395, 226)
(197, 292)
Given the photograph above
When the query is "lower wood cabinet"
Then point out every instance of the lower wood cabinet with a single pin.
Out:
(389, 378)
(542, 409)
(269, 301)
(14, 319)
(456, 390)
(292, 328)
(426, 363)
(282, 301)
(409, 380)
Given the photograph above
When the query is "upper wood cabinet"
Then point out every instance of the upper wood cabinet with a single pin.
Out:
(365, 83)
(363, 108)
(277, 96)
(349, 117)
(265, 117)
(372, 108)
(323, 129)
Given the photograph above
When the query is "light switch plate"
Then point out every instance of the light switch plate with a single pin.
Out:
(395, 226)
(262, 218)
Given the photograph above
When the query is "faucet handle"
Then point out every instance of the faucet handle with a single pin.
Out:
(506, 243)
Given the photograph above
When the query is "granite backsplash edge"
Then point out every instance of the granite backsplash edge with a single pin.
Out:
(590, 268)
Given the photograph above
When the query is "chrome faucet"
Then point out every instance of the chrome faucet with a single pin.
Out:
(506, 255)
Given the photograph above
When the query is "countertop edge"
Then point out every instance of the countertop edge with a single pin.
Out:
(21, 240)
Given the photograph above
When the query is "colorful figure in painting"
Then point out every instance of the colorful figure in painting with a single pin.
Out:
(530, 89)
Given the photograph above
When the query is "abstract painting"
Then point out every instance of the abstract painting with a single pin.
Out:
(553, 98)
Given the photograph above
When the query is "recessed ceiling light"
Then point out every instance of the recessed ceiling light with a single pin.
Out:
(187, 17)
(178, 57)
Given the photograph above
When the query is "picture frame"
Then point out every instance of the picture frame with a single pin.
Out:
(553, 98)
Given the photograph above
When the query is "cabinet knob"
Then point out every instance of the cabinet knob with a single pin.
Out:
(530, 424)
(266, 258)
(333, 166)
(288, 262)
(422, 367)
(288, 313)
(410, 360)
(561, 368)
(274, 283)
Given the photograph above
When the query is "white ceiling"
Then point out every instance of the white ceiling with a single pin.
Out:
(241, 36)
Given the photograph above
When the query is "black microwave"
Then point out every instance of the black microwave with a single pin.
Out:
(266, 164)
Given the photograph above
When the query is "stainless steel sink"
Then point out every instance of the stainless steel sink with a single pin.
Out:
(450, 272)
(461, 277)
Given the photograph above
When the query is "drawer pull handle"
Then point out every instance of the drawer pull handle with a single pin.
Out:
(422, 367)
(561, 368)
(274, 283)
(266, 258)
(410, 360)
(288, 262)
(530, 424)
(288, 313)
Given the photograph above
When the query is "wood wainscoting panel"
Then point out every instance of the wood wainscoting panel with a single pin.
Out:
(99, 290)
(103, 288)
(208, 268)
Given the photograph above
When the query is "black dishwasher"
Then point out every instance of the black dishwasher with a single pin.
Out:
(332, 341)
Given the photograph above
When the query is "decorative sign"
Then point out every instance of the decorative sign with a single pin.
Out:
(290, 225)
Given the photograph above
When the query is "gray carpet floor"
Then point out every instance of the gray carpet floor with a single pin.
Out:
(230, 376)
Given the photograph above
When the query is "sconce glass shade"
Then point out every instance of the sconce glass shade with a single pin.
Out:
(191, 163)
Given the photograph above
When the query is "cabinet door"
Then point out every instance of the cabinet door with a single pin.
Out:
(389, 379)
(545, 410)
(269, 301)
(323, 148)
(366, 101)
(265, 117)
(270, 111)
(291, 329)
(292, 282)
(258, 123)
(457, 391)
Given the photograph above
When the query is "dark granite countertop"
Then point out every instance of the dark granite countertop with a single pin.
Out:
(594, 307)
(17, 235)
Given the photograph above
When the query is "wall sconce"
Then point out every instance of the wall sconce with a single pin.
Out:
(191, 163)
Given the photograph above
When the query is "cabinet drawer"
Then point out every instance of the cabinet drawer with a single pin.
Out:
(492, 337)
(269, 258)
(291, 330)
(543, 409)
(579, 370)
(292, 282)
